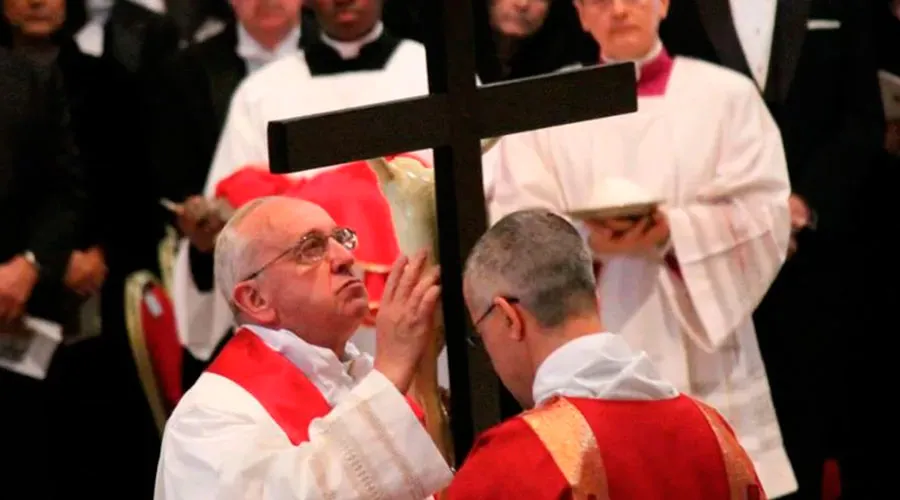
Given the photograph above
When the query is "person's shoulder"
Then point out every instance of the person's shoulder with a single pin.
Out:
(287, 72)
(214, 398)
(506, 458)
(411, 47)
(716, 78)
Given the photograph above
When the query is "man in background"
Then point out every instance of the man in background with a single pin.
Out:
(814, 63)
(41, 199)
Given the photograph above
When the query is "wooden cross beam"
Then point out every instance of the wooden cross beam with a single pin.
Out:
(453, 119)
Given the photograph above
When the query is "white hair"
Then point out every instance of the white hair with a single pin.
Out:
(235, 254)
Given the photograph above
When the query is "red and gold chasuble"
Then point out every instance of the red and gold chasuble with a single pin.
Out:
(590, 449)
(281, 388)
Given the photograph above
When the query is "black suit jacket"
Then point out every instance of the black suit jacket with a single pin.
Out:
(41, 191)
(137, 38)
(822, 90)
(190, 101)
(101, 96)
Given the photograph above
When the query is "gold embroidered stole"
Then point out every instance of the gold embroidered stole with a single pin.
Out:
(568, 437)
(739, 468)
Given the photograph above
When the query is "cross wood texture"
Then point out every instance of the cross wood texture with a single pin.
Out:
(452, 120)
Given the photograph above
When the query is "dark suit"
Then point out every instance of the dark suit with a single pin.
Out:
(822, 91)
(138, 38)
(40, 196)
(101, 374)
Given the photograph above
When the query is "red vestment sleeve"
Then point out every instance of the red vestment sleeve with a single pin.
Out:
(508, 462)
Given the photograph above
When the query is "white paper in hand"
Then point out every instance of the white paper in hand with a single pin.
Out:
(28, 347)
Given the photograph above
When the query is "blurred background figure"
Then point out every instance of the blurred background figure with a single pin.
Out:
(97, 383)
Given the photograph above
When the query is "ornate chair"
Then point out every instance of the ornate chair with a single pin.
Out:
(166, 251)
(153, 337)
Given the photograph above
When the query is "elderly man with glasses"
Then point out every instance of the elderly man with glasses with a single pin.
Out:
(290, 409)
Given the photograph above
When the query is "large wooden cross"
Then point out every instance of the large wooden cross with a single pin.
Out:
(453, 119)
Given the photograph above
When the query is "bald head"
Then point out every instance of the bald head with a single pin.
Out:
(256, 229)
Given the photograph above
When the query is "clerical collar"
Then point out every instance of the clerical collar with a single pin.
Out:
(332, 376)
(350, 50)
(256, 55)
(600, 366)
(653, 70)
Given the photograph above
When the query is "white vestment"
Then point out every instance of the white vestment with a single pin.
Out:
(220, 443)
(283, 89)
(711, 150)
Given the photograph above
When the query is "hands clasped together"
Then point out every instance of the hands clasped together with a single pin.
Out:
(404, 325)
(627, 235)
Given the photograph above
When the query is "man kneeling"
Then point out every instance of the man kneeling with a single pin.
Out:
(604, 424)
(290, 409)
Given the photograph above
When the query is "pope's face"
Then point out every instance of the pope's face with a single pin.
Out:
(624, 29)
(319, 298)
(518, 18)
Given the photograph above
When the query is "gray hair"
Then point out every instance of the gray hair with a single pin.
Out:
(235, 253)
(540, 259)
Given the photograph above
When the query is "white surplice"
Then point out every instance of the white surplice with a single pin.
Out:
(710, 148)
(282, 89)
(600, 366)
(220, 443)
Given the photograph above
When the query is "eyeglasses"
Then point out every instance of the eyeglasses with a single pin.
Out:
(312, 248)
(473, 338)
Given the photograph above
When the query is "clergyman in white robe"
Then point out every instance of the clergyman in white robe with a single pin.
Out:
(703, 141)
(231, 438)
(283, 89)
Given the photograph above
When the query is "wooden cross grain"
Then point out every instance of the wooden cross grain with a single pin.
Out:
(452, 120)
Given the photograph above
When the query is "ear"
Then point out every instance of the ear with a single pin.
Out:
(513, 317)
(251, 303)
(382, 170)
(663, 9)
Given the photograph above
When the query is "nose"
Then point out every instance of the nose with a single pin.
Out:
(339, 257)
(619, 6)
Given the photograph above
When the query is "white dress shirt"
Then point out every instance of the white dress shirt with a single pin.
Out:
(754, 21)
(256, 56)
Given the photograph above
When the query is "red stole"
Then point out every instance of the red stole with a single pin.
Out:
(281, 388)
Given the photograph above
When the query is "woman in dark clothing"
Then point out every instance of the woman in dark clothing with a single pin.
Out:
(101, 405)
(522, 38)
